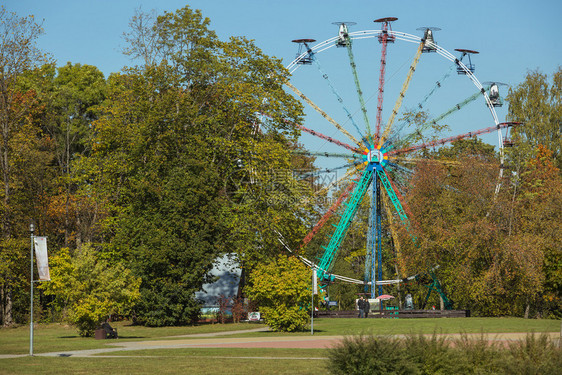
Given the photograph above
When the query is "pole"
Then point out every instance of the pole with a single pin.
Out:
(312, 305)
(31, 283)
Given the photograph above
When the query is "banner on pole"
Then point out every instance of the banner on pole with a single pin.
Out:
(314, 282)
(42, 258)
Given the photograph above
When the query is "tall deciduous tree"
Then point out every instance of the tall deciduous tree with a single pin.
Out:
(68, 95)
(537, 103)
(18, 53)
(188, 151)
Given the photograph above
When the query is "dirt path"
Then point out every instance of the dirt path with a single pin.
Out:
(217, 340)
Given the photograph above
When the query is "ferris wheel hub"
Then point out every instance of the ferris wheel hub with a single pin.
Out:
(375, 158)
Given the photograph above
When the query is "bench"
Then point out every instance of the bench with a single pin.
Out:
(110, 332)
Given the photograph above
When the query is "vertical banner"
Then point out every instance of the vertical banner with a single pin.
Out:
(314, 282)
(42, 258)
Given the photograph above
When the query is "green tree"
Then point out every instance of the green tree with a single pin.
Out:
(18, 134)
(187, 155)
(88, 289)
(68, 95)
(282, 291)
(537, 104)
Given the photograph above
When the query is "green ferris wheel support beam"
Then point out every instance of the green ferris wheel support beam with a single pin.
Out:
(394, 198)
(327, 260)
(330, 251)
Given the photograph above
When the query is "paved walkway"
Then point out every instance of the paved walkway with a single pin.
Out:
(217, 340)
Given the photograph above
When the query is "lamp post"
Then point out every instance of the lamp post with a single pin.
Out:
(31, 284)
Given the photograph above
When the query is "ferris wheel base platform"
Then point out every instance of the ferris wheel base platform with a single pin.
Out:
(394, 314)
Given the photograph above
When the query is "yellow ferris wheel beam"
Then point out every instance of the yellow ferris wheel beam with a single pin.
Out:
(324, 114)
(401, 96)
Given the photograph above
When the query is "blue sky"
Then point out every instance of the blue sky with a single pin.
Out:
(512, 36)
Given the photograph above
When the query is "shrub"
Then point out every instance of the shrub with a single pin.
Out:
(418, 354)
(90, 288)
(371, 355)
(281, 289)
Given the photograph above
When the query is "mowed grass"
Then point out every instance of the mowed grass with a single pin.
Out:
(61, 337)
(336, 327)
(163, 365)
(55, 338)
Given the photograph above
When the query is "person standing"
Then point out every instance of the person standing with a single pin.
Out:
(366, 308)
(361, 307)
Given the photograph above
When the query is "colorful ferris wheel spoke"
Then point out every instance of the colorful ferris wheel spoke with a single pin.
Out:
(311, 57)
(345, 41)
(333, 208)
(456, 64)
(324, 114)
(442, 141)
(319, 172)
(327, 154)
(421, 104)
(384, 39)
(346, 176)
(402, 94)
(410, 160)
(327, 138)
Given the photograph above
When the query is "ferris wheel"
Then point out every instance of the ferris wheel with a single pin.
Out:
(432, 92)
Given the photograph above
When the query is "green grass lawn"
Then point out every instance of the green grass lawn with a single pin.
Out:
(183, 364)
(56, 337)
(60, 337)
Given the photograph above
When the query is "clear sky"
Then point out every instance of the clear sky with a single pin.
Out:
(512, 36)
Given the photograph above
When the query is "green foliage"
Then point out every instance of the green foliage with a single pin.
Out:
(90, 289)
(369, 355)
(418, 354)
(186, 163)
(281, 289)
(536, 103)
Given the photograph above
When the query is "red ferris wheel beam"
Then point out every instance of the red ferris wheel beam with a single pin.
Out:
(384, 38)
(443, 141)
(328, 214)
(329, 139)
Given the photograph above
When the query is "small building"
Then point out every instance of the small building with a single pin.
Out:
(227, 272)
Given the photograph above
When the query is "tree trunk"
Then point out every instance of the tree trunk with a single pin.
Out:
(2, 304)
(527, 308)
(7, 319)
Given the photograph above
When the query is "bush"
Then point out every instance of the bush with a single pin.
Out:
(281, 289)
(533, 355)
(418, 354)
(89, 288)
(370, 355)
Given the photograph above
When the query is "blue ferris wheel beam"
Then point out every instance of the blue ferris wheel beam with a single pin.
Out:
(370, 250)
(327, 260)
(437, 86)
(441, 80)
(378, 234)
